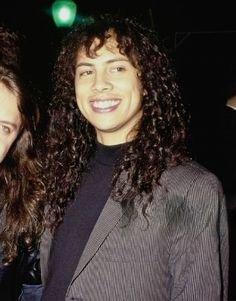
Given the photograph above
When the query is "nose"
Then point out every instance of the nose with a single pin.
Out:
(101, 82)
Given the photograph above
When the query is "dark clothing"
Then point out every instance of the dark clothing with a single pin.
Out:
(31, 292)
(9, 290)
(22, 278)
(80, 218)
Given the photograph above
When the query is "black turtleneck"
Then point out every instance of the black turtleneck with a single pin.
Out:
(79, 220)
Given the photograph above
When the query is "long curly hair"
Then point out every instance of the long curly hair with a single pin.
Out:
(160, 141)
(21, 189)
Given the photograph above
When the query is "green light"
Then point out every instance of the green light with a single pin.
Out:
(64, 12)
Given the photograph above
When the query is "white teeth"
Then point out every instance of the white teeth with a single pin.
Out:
(105, 103)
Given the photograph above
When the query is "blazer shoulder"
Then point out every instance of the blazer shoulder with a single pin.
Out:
(191, 198)
(183, 176)
(193, 185)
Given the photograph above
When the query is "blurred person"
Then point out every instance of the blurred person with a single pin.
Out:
(130, 215)
(226, 171)
(21, 214)
(229, 150)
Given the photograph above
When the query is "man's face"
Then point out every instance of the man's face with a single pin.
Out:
(108, 93)
(10, 120)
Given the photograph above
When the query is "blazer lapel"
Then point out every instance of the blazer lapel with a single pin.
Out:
(109, 217)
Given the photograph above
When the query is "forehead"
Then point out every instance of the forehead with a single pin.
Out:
(8, 104)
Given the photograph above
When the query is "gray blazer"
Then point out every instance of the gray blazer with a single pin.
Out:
(180, 254)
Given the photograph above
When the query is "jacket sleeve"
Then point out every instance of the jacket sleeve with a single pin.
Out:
(199, 258)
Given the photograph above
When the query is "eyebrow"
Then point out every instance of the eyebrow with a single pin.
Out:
(9, 123)
(107, 62)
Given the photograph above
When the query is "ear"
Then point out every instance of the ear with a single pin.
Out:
(145, 93)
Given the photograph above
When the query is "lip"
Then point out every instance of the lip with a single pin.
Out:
(104, 105)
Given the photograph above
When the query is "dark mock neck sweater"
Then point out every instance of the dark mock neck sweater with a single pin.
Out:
(79, 220)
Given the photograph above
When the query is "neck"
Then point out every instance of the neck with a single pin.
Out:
(114, 139)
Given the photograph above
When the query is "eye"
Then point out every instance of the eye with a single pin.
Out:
(118, 69)
(6, 129)
(85, 73)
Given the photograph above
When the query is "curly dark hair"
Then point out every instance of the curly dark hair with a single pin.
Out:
(160, 141)
(21, 189)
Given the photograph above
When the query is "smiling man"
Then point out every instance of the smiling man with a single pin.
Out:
(131, 216)
(108, 92)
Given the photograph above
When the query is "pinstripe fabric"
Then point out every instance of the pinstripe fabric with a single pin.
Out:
(181, 255)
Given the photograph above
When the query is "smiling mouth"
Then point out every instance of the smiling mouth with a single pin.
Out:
(107, 105)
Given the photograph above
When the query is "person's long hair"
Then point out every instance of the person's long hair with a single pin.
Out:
(20, 185)
(160, 141)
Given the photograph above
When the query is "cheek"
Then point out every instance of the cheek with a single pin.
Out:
(82, 108)
(82, 102)
(4, 148)
(79, 104)
(137, 98)
(79, 97)
(6, 143)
